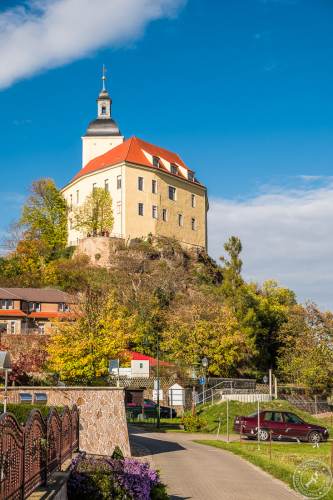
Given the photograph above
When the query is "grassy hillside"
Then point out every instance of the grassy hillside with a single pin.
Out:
(212, 414)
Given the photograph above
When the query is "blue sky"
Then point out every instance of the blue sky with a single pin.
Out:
(242, 89)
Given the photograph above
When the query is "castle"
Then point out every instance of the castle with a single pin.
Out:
(152, 189)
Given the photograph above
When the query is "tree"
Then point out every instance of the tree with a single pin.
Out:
(205, 329)
(44, 216)
(232, 279)
(306, 355)
(95, 215)
(79, 350)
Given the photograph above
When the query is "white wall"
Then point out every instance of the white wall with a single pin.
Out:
(96, 146)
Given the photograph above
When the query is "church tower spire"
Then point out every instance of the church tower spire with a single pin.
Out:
(104, 101)
(102, 133)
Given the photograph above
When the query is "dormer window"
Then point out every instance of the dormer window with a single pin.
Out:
(173, 168)
(156, 161)
(190, 176)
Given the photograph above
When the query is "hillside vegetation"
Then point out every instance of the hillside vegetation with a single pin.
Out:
(155, 291)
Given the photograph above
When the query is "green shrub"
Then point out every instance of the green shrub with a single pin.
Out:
(193, 423)
(117, 454)
(22, 411)
(159, 492)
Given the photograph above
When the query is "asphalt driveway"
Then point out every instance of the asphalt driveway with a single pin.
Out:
(194, 471)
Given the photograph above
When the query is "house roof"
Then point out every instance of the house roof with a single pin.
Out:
(47, 295)
(12, 313)
(138, 356)
(49, 314)
(133, 151)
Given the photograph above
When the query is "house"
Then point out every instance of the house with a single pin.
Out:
(153, 191)
(25, 311)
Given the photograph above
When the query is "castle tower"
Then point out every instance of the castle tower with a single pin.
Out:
(102, 133)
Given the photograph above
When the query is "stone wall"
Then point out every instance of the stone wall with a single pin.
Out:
(102, 414)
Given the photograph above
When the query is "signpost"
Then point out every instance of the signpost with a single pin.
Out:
(114, 365)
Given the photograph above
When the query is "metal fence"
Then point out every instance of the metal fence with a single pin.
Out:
(30, 453)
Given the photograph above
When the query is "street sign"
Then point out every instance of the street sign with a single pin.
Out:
(202, 380)
(113, 365)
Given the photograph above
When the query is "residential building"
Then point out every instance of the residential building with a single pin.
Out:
(153, 190)
(31, 310)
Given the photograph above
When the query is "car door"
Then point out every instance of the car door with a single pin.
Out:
(273, 422)
(294, 426)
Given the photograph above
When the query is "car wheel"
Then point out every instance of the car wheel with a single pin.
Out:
(314, 437)
(263, 435)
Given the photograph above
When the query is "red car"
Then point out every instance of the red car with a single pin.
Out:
(282, 425)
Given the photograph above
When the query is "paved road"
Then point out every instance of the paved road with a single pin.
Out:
(197, 472)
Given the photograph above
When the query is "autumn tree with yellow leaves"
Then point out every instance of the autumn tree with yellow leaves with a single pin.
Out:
(79, 350)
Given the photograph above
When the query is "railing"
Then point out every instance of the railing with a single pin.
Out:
(224, 387)
(30, 453)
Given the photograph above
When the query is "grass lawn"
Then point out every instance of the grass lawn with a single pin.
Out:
(285, 456)
(212, 413)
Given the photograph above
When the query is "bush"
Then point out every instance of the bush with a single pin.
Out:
(193, 423)
(22, 411)
(118, 478)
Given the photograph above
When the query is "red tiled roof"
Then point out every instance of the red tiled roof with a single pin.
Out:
(131, 151)
(11, 312)
(137, 356)
(46, 314)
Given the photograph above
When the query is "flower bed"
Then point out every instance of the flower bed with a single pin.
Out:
(115, 477)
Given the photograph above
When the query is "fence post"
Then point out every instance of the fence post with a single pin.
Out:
(270, 444)
(227, 420)
(275, 388)
(258, 424)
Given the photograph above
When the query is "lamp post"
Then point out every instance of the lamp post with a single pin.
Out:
(6, 366)
(204, 363)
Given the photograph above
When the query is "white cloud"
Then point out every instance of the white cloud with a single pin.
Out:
(286, 236)
(48, 33)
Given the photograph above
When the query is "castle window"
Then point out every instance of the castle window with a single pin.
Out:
(106, 185)
(118, 207)
(165, 214)
(154, 186)
(94, 186)
(71, 202)
(77, 197)
(190, 176)
(156, 161)
(180, 220)
(140, 183)
(172, 193)
(103, 112)
(154, 212)
(140, 208)
(118, 181)
(193, 201)
(70, 223)
(193, 224)
(173, 168)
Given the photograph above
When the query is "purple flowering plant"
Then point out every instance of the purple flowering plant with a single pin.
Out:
(99, 478)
